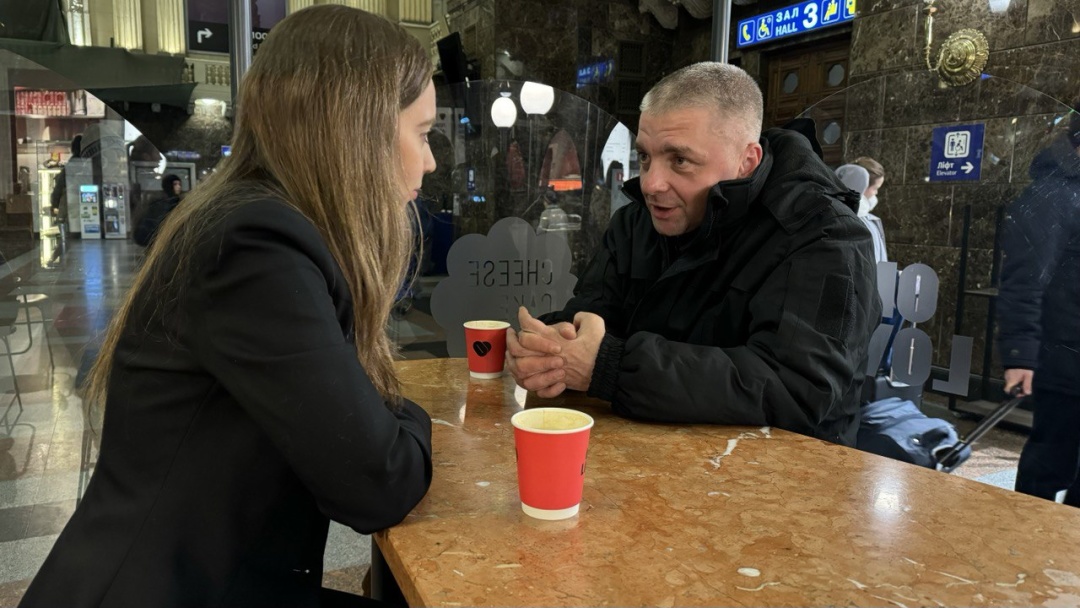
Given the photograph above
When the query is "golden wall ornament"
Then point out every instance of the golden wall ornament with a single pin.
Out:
(963, 55)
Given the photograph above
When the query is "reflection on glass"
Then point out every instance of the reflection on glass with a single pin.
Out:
(982, 185)
(559, 168)
(66, 141)
(946, 206)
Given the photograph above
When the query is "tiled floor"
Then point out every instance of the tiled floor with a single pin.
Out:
(41, 454)
(42, 462)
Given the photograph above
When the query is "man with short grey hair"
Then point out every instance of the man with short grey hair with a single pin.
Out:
(720, 86)
(737, 288)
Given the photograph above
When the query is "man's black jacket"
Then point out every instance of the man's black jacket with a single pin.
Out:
(762, 316)
(1039, 306)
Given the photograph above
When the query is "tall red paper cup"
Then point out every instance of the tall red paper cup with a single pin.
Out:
(485, 343)
(551, 445)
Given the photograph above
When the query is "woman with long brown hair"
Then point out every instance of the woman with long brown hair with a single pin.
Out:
(247, 379)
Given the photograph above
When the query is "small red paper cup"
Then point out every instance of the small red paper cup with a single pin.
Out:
(485, 343)
(551, 444)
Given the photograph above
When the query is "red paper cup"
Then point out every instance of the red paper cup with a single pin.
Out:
(485, 343)
(551, 443)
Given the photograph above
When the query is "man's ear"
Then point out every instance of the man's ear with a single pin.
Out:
(751, 159)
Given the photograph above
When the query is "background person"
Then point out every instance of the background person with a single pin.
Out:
(1039, 316)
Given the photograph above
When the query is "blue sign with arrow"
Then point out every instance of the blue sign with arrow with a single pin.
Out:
(956, 153)
(795, 19)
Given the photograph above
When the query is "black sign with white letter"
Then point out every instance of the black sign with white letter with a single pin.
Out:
(208, 23)
(208, 37)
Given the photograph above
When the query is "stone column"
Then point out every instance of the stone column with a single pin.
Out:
(414, 11)
(127, 24)
(295, 5)
(100, 20)
(78, 19)
(170, 26)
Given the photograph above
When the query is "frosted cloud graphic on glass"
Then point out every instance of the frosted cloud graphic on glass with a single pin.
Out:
(491, 275)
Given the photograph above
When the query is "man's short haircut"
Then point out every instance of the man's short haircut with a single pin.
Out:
(722, 87)
(872, 167)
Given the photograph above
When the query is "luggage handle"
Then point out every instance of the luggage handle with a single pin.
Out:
(947, 457)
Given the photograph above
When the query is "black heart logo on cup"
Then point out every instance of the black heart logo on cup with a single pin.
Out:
(481, 348)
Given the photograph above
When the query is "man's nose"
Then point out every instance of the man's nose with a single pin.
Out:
(653, 181)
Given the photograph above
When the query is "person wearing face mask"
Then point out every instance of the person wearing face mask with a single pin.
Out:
(869, 201)
(859, 178)
(866, 176)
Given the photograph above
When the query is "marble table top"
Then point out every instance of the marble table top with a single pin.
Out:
(711, 515)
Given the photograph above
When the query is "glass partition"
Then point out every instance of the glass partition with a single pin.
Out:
(78, 168)
(956, 161)
(75, 176)
(527, 180)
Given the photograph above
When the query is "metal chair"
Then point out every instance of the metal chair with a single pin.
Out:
(38, 301)
(9, 312)
(11, 285)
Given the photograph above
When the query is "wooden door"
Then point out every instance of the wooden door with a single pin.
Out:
(811, 77)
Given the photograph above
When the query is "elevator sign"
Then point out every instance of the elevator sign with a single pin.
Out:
(956, 153)
(793, 20)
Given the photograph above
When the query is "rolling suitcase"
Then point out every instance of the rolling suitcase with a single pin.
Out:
(893, 425)
(949, 457)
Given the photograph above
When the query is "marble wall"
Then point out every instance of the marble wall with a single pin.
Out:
(547, 40)
(895, 103)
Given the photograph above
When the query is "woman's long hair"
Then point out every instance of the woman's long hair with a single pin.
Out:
(316, 127)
